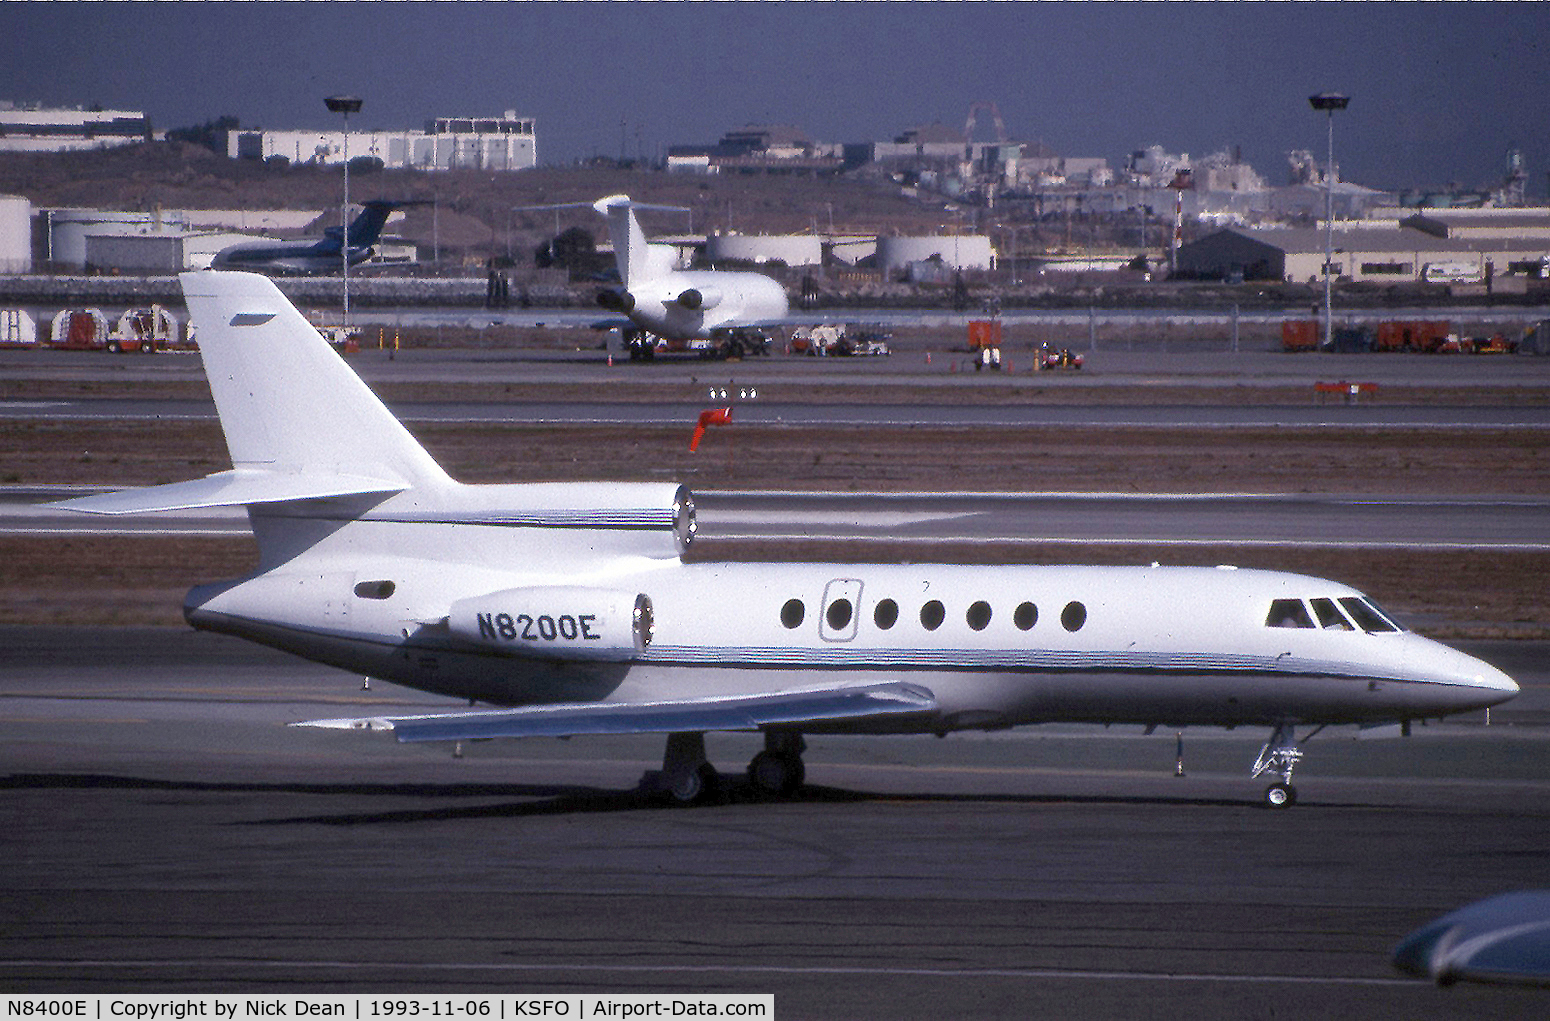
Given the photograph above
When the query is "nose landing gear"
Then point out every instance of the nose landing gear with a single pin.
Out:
(1280, 755)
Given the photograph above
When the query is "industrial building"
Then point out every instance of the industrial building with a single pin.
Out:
(758, 148)
(761, 249)
(31, 127)
(15, 234)
(508, 142)
(1503, 258)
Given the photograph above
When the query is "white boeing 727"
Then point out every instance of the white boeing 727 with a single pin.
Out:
(723, 306)
(568, 607)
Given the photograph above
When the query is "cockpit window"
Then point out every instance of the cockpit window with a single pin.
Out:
(1330, 618)
(1288, 613)
(1367, 616)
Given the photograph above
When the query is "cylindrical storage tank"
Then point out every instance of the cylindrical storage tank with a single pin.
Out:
(15, 234)
(791, 249)
(960, 251)
(68, 229)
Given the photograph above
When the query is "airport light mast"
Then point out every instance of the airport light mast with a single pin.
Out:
(1329, 102)
(345, 105)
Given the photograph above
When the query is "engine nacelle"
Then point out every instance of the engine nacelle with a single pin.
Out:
(696, 298)
(616, 301)
(556, 622)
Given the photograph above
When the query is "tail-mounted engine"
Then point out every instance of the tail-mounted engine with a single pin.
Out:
(616, 301)
(696, 299)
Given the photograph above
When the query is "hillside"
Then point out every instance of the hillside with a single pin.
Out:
(473, 208)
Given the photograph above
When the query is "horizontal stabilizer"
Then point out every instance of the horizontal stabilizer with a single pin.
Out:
(735, 712)
(235, 488)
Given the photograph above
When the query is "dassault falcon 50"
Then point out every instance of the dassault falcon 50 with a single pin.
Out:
(569, 609)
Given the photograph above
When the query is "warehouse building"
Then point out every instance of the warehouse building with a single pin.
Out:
(1365, 254)
(34, 128)
(507, 142)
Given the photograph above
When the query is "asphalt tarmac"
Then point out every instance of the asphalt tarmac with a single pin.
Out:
(163, 831)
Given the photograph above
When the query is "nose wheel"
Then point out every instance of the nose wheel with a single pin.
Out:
(1279, 756)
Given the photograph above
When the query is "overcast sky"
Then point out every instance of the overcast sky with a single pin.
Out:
(1440, 92)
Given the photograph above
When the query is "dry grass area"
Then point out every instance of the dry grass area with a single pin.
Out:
(139, 580)
(1279, 460)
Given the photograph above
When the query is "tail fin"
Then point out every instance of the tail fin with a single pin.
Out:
(299, 423)
(367, 226)
(287, 401)
(636, 259)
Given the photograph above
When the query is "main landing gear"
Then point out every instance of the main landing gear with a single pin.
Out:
(1280, 756)
(688, 778)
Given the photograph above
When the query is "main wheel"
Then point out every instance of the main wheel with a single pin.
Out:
(1280, 795)
(694, 786)
(774, 773)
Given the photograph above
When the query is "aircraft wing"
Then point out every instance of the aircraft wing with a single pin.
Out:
(1503, 939)
(734, 712)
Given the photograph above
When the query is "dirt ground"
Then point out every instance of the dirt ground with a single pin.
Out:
(141, 580)
(1505, 462)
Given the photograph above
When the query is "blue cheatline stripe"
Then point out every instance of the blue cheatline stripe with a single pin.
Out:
(1011, 659)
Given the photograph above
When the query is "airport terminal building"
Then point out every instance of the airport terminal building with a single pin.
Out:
(508, 142)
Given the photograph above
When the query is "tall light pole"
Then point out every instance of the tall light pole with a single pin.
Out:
(1329, 102)
(345, 105)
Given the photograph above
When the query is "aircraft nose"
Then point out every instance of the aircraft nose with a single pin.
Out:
(1485, 684)
(1488, 678)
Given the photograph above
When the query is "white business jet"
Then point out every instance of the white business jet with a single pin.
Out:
(568, 607)
(712, 311)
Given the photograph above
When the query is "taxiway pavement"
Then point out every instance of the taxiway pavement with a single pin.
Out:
(164, 831)
(1518, 524)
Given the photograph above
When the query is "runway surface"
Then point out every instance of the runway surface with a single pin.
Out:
(163, 831)
(1333, 414)
(1427, 523)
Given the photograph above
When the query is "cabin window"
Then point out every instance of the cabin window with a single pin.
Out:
(886, 614)
(1367, 616)
(1330, 618)
(1073, 616)
(839, 614)
(932, 615)
(375, 589)
(978, 616)
(1025, 616)
(793, 613)
(1288, 613)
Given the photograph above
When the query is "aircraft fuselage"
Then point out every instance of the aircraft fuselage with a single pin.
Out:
(688, 304)
(998, 646)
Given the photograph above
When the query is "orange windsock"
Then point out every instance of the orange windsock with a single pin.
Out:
(710, 416)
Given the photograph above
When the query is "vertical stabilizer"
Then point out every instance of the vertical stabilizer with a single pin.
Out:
(637, 260)
(288, 403)
(629, 240)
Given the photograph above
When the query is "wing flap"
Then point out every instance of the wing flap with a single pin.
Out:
(234, 488)
(738, 712)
